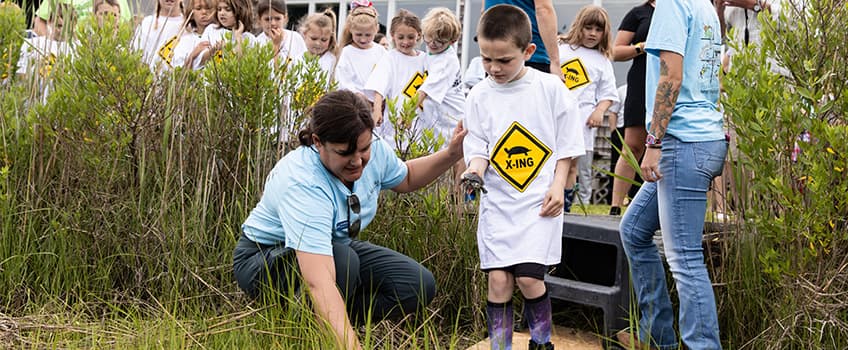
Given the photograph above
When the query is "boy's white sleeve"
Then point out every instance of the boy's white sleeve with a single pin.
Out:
(569, 137)
(378, 81)
(442, 70)
(606, 89)
(475, 144)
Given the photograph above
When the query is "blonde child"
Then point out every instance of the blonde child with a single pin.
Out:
(319, 34)
(519, 229)
(399, 73)
(584, 54)
(359, 53)
(201, 14)
(273, 17)
(441, 95)
(157, 35)
(235, 20)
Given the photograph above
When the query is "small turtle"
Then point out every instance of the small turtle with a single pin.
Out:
(516, 150)
(472, 184)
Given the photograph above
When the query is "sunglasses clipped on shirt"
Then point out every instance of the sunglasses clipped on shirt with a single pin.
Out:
(353, 206)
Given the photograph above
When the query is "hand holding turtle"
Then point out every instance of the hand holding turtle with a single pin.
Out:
(472, 184)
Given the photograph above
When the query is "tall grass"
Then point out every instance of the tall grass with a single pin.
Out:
(122, 193)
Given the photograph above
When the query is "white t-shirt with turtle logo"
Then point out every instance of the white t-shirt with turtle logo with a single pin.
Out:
(521, 128)
(396, 76)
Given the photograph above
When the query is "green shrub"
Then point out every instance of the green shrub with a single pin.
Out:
(786, 268)
(411, 140)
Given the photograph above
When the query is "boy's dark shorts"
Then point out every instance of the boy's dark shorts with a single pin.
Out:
(533, 270)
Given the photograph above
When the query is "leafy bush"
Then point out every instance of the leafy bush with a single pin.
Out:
(786, 269)
(122, 193)
(411, 140)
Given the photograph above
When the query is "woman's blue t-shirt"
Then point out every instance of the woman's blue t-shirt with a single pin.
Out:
(305, 206)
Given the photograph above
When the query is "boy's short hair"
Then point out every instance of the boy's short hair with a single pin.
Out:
(440, 23)
(506, 22)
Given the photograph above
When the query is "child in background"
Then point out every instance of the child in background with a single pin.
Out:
(106, 12)
(523, 130)
(201, 14)
(273, 17)
(39, 54)
(319, 34)
(399, 73)
(157, 35)
(441, 95)
(359, 53)
(235, 20)
(584, 54)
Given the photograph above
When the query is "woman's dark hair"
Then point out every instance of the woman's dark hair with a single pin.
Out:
(339, 117)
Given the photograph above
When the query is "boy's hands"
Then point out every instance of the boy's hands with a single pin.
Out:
(472, 184)
(553, 202)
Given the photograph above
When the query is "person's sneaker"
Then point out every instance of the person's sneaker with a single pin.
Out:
(630, 341)
(615, 211)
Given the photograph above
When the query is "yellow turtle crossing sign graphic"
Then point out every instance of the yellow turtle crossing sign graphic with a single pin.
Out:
(166, 52)
(412, 87)
(575, 74)
(519, 156)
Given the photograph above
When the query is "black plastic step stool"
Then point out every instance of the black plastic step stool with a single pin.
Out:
(594, 270)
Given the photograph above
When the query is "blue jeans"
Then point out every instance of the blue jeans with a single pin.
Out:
(677, 204)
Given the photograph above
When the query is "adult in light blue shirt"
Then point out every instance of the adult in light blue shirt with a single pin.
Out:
(686, 147)
(316, 201)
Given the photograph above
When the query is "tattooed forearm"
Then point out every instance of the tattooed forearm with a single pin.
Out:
(667, 91)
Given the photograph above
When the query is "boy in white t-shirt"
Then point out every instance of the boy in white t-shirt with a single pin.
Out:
(441, 95)
(523, 131)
